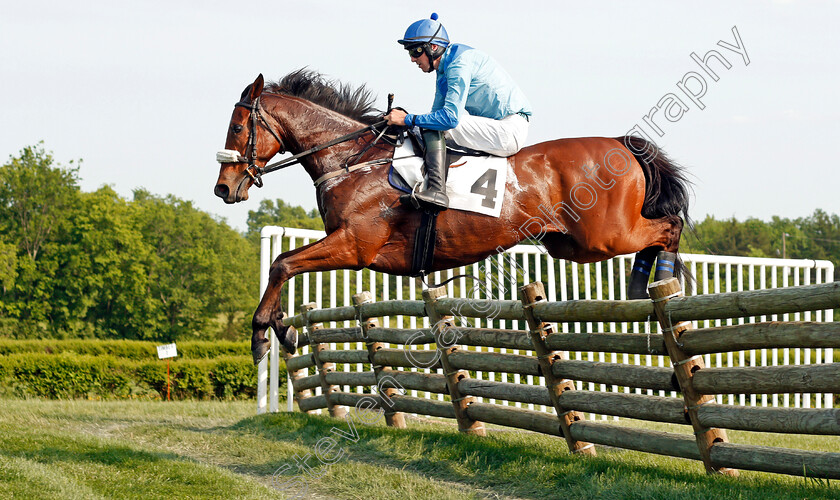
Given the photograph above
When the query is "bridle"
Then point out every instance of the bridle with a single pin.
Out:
(255, 172)
(257, 118)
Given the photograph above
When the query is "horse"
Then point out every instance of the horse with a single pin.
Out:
(585, 199)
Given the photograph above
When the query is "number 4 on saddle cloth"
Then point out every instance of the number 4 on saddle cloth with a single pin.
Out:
(473, 183)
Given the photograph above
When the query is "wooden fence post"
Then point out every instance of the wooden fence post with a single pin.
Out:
(295, 376)
(684, 367)
(392, 418)
(439, 326)
(529, 295)
(323, 368)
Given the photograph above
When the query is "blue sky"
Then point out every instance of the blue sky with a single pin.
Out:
(143, 92)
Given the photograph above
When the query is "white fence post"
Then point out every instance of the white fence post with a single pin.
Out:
(262, 367)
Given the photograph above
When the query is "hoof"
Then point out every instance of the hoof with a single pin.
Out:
(259, 350)
(290, 340)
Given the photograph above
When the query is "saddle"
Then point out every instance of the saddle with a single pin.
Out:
(454, 155)
(475, 182)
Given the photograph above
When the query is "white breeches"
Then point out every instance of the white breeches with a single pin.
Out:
(503, 137)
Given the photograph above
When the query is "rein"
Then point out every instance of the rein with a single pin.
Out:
(296, 158)
(233, 156)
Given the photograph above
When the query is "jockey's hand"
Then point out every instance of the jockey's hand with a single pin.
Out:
(396, 117)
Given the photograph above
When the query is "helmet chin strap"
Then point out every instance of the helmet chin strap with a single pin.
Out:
(433, 54)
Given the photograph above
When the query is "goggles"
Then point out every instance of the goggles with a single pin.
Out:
(415, 51)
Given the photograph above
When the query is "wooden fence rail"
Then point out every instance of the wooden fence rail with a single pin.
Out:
(387, 373)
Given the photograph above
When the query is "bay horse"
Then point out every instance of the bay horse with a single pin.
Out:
(585, 199)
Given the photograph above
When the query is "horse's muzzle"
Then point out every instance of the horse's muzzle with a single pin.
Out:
(222, 191)
(230, 195)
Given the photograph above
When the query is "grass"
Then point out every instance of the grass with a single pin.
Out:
(210, 449)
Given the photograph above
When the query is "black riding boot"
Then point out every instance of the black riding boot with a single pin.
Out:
(434, 196)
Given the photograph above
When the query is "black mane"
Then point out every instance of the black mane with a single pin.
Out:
(331, 94)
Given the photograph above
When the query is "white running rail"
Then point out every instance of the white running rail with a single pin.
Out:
(564, 280)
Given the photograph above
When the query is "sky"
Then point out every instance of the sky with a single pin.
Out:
(142, 92)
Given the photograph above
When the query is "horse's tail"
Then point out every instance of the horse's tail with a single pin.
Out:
(666, 189)
(666, 186)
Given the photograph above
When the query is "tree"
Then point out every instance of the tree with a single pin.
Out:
(8, 266)
(35, 197)
(102, 284)
(279, 213)
(814, 237)
(94, 264)
(820, 236)
(199, 268)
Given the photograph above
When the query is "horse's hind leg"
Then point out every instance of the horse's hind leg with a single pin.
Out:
(640, 275)
(668, 263)
(665, 255)
(665, 265)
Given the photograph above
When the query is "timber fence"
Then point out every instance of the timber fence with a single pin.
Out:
(449, 358)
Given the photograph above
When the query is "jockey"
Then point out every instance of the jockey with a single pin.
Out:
(477, 105)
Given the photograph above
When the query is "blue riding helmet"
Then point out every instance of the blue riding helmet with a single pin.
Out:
(426, 32)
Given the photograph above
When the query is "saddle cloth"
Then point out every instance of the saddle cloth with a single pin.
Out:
(474, 183)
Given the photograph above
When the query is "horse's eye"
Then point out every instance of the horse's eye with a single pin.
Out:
(236, 128)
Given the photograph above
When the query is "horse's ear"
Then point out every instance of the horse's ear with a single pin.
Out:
(257, 87)
(245, 93)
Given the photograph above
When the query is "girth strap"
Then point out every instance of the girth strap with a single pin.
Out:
(424, 244)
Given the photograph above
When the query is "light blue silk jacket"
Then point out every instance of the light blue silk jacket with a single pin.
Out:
(468, 79)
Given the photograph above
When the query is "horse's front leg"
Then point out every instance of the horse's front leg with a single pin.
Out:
(330, 253)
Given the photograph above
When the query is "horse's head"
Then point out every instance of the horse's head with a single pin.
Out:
(252, 140)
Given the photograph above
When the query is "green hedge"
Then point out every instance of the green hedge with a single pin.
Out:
(68, 375)
(135, 350)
